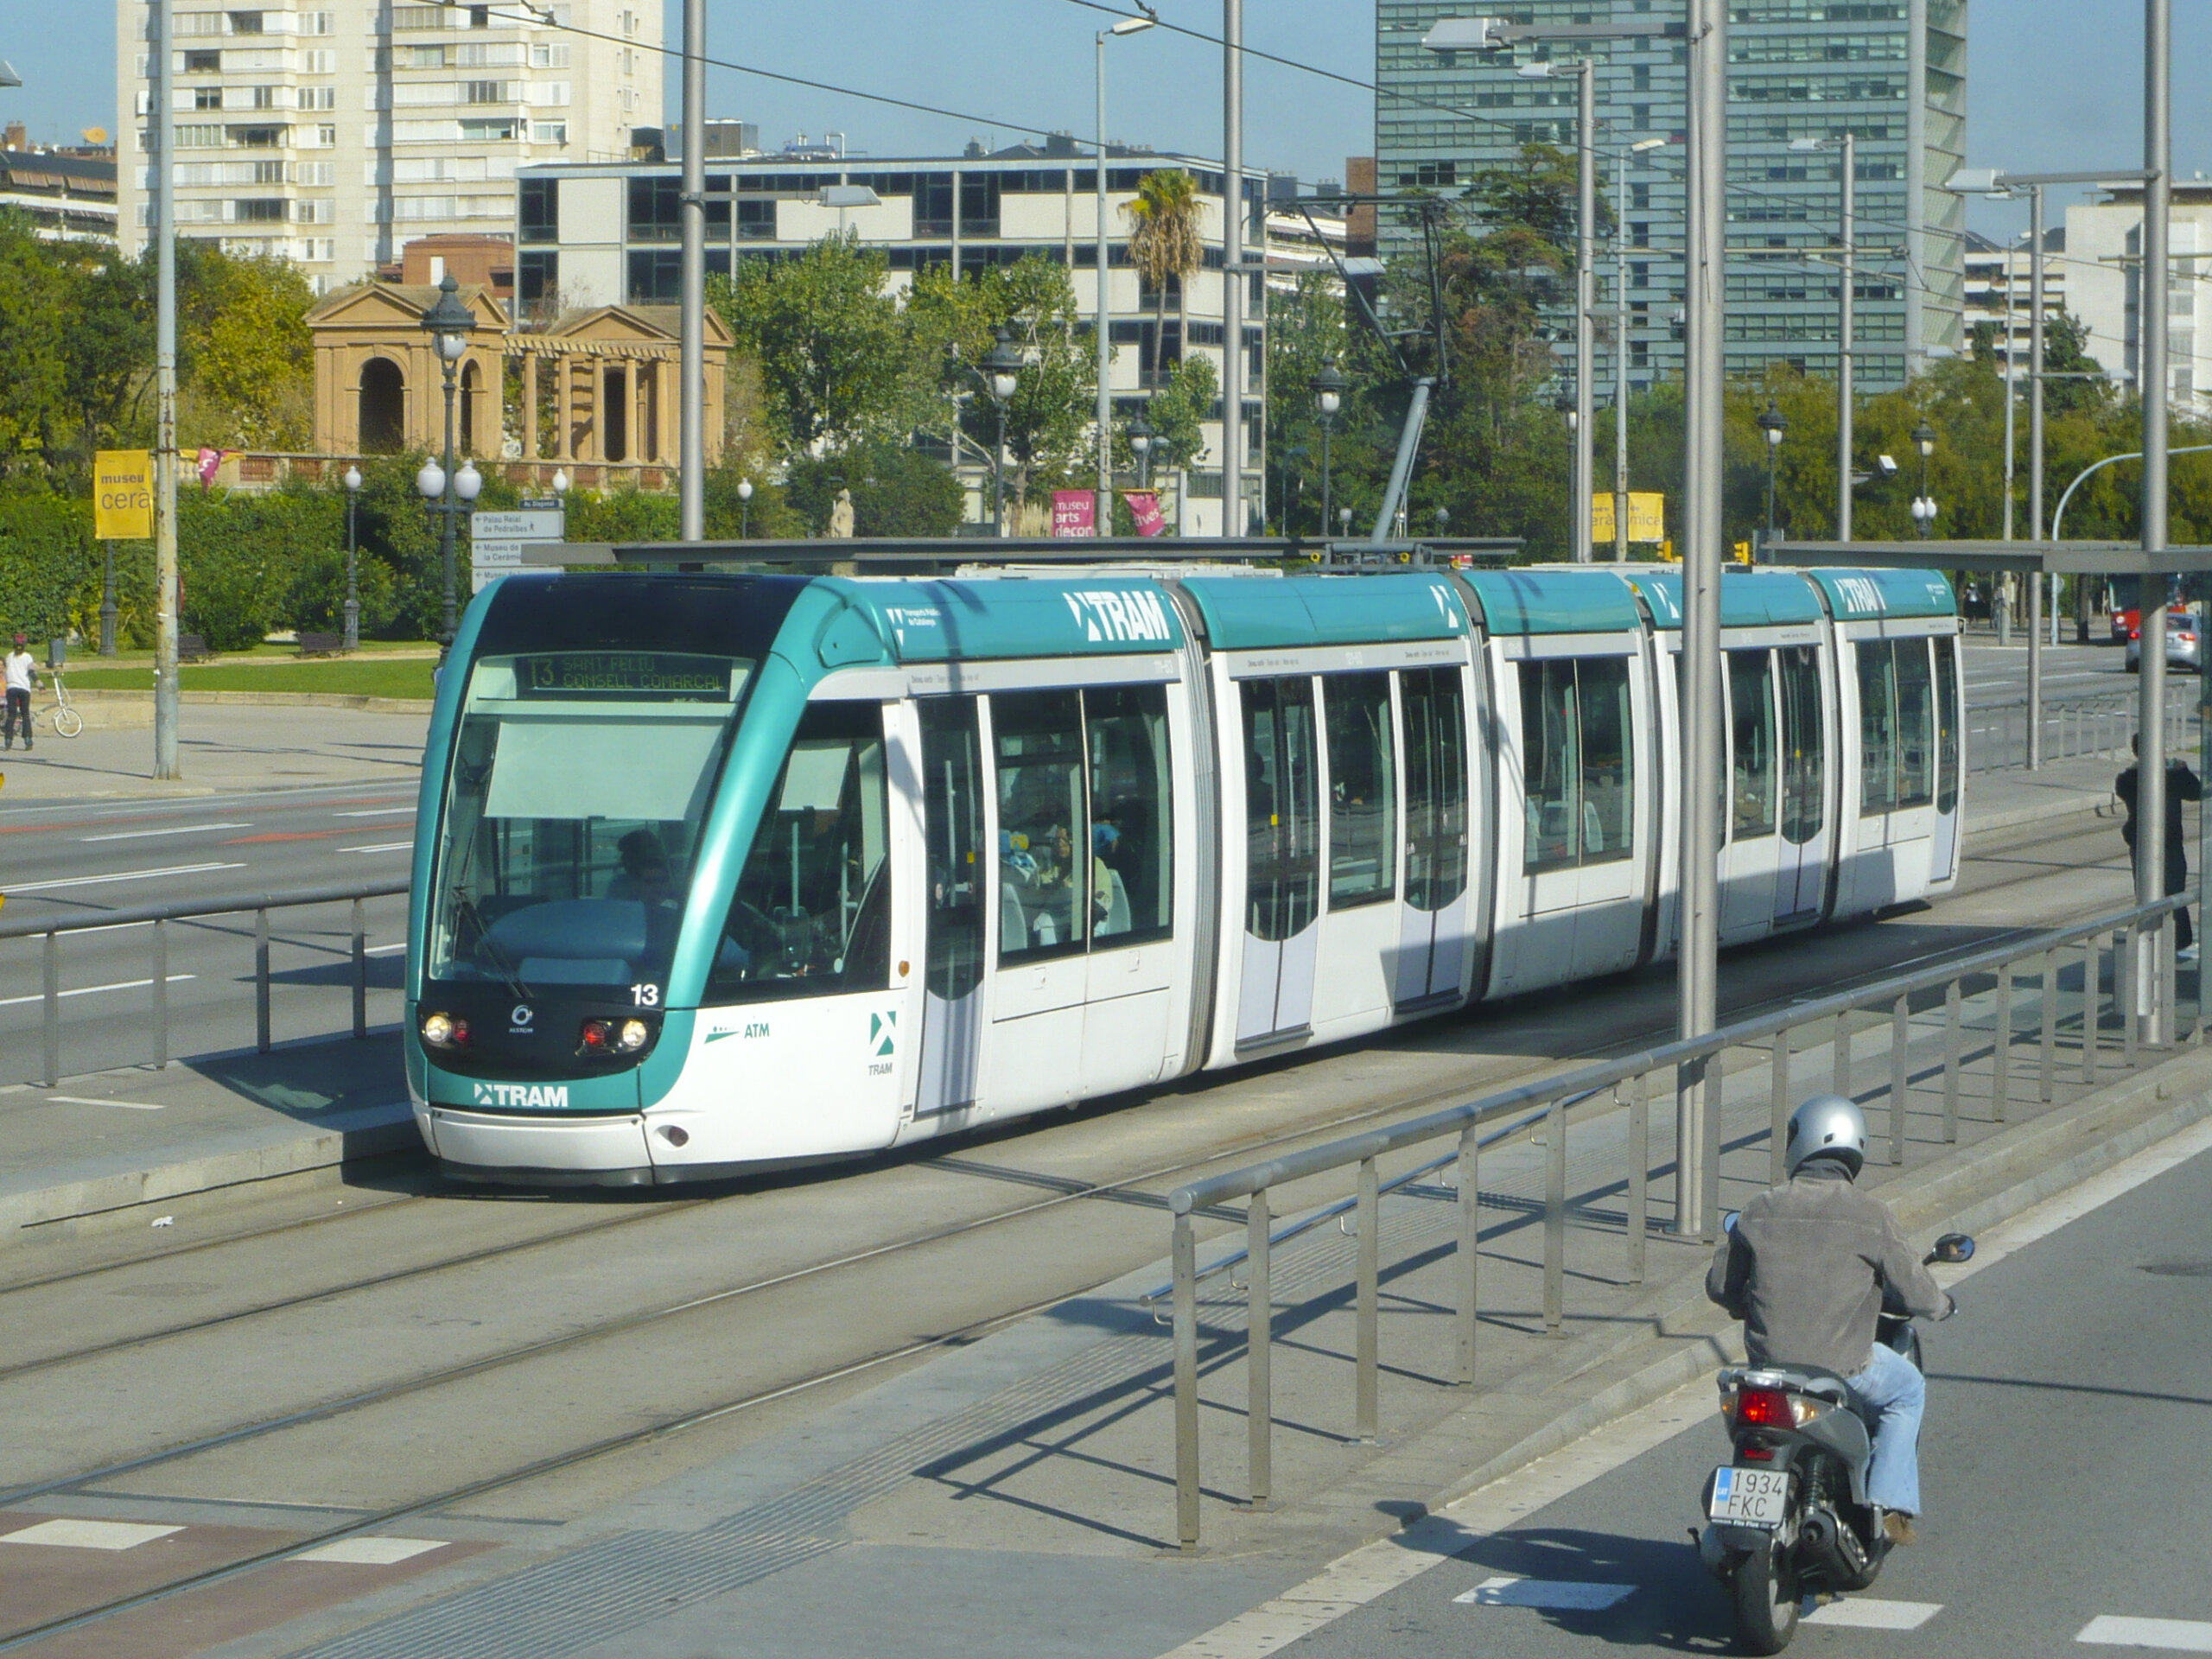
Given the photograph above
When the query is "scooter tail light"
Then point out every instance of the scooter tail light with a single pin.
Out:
(1764, 1409)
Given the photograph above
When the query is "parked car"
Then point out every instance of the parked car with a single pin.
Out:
(2184, 642)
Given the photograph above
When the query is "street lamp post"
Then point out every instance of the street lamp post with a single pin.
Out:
(744, 508)
(1328, 389)
(352, 543)
(1845, 329)
(1641, 146)
(1772, 425)
(450, 324)
(1105, 520)
(1923, 505)
(1002, 377)
(1141, 447)
(107, 604)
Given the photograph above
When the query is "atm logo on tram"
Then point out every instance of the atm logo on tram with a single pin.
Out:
(545, 1096)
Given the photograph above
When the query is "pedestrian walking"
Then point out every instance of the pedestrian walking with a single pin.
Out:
(2182, 784)
(23, 680)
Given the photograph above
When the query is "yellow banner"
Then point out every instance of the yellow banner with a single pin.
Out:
(1647, 516)
(123, 495)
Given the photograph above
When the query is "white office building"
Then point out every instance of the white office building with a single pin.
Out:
(1999, 283)
(331, 132)
(609, 234)
(2104, 287)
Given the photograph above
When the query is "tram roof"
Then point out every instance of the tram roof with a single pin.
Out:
(1534, 600)
(961, 620)
(1243, 613)
(1749, 599)
(1873, 591)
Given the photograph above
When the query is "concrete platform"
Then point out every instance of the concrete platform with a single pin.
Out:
(223, 748)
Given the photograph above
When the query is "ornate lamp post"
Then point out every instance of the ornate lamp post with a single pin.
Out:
(450, 324)
(1141, 447)
(744, 508)
(1002, 378)
(1772, 425)
(1328, 388)
(1923, 505)
(353, 544)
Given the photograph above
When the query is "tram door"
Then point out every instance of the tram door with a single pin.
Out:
(1432, 936)
(1944, 862)
(949, 1069)
(1282, 858)
(1801, 878)
(1750, 860)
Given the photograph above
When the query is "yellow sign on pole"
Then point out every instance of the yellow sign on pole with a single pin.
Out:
(123, 495)
(1647, 516)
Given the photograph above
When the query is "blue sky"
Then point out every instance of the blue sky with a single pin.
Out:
(2053, 84)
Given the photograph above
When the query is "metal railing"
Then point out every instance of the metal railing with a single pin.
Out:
(1698, 1069)
(2099, 726)
(157, 918)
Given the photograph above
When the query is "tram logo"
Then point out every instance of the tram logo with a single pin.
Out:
(1104, 614)
(522, 1016)
(883, 1032)
(542, 1096)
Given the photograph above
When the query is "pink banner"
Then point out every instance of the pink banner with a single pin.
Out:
(1144, 507)
(1075, 512)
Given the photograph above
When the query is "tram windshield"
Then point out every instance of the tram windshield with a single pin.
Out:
(581, 781)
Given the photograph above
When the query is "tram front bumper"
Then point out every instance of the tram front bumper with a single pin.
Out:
(534, 1151)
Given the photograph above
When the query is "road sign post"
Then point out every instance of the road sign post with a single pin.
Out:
(495, 539)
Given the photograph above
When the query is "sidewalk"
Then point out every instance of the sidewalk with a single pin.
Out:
(2005, 798)
(224, 748)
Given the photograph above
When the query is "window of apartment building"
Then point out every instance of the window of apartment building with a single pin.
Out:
(656, 275)
(538, 210)
(256, 137)
(207, 98)
(203, 63)
(483, 91)
(933, 205)
(321, 138)
(317, 22)
(265, 172)
(500, 132)
(257, 210)
(318, 173)
(318, 97)
(1639, 197)
(537, 276)
(321, 61)
(245, 23)
(199, 22)
(549, 132)
(417, 17)
(426, 57)
(979, 204)
(655, 210)
(549, 55)
(480, 16)
(265, 97)
(756, 219)
(1640, 78)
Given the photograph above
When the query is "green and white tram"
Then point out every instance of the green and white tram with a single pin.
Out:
(715, 873)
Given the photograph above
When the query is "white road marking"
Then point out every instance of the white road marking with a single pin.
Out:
(87, 1100)
(1374, 1570)
(372, 1551)
(177, 829)
(118, 875)
(382, 847)
(374, 812)
(2175, 1635)
(1865, 1613)
(89, 1535)
(92, 990)
(1553, 1595)
(383, 950)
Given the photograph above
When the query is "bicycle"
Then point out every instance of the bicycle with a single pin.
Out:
(67, 722)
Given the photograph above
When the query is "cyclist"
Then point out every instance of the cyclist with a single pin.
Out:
(23, 680)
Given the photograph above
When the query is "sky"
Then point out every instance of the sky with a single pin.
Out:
(2053, 85)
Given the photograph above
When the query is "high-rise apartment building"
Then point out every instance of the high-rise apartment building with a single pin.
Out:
(1798, 69)
(331, 132)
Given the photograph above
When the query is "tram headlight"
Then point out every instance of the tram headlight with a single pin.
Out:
(443, 1031)
(633, 1035)
(616, 1039)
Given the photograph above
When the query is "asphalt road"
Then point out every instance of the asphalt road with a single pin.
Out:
(2063, 1452)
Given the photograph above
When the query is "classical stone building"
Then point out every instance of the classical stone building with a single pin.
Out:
(593, 390)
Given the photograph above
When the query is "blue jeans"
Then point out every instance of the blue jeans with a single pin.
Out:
(1895, 1393)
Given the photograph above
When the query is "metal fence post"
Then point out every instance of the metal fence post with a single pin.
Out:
(161, 995)
(2169, 987)
(1900, 1075)
(2048, 1070)
(2001, 1055)
(2092, 994)
(1714, 1072)
(1470, 1244)
(1185, 1252)
(1639, 1172)
(261, 980)
(1555, 1217)
(1778, 1132)
(1841, 1051)
(1365, 1404)
(1953, 1041)
(1260, 1410)
(2128, 991)
(52, 1032)
(361, 971)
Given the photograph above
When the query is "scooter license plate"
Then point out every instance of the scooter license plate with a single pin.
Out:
(1750, 1498)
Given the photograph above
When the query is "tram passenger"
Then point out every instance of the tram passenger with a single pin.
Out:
(644, 874)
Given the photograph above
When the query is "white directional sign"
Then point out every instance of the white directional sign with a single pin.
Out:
(496, 539)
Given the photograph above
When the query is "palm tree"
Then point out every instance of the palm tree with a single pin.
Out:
(1164, 240)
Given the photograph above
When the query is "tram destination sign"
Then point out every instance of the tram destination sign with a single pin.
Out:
(647, 676)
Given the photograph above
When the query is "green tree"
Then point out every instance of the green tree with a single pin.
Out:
(1306, 330)
(1164, 243)
(33, 365)
(896, 491)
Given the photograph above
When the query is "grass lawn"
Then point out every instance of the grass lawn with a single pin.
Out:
(406, 678)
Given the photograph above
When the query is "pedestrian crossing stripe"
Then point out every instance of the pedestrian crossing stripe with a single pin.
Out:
(2173, 1635)
(1551, 1595)
(1869, 1613)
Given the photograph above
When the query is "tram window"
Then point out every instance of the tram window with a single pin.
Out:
(1803, 759)
(1133, 847)
(1362, 790)
(1282, 817)
(1044, 911)
(1436, 786)
(812, 911)
(1878, 719)
(1915, 725)
(952, 811)
(1578, 762)
(1946, 726)
(1751, 702)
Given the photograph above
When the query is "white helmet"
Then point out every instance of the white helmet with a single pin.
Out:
(1830, 1125)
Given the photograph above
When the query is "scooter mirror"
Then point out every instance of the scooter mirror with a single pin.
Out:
(1728, 1221)
(1955, 1248)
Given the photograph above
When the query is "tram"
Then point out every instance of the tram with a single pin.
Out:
(714, 872)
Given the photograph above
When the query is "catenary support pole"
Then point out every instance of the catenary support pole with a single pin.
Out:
(1232, 267)
(2150, 719)
(1916, 188)
(1102, 329)
(2034, 475)
(1703, 324)
(1586, 302)
(1620, 362)
(161, 130)
(1846, 335)
(691, 349)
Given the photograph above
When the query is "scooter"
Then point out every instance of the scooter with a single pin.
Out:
(1788, 1517)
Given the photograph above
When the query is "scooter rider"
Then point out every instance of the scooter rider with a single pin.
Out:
(1808, 1267)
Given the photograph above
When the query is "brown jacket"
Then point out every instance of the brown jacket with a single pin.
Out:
(1806, 1270)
